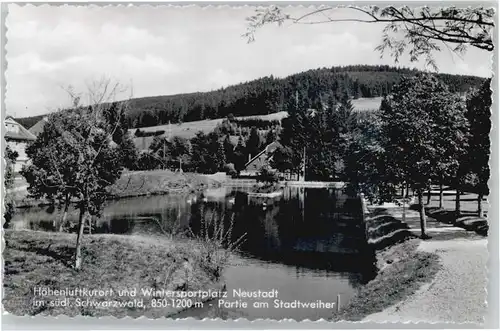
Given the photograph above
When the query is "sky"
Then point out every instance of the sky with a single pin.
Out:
(170, 50)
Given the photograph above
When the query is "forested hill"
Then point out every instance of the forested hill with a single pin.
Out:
(269, 95)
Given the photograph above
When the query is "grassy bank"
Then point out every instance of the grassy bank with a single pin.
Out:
(111, 262)
(402, 268)
(402, 271)
(138, 183)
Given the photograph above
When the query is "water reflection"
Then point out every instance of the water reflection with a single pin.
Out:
(307, 243)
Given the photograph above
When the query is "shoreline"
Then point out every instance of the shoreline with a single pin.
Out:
(158, 182)
(460, 277)
(401, 268)
(155, 184)
(126, 263)
(405, 267)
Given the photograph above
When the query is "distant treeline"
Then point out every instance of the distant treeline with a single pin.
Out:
(139, 133)
(269, 94)
(256, 123)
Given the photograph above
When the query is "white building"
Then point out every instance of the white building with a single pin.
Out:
(17, 137)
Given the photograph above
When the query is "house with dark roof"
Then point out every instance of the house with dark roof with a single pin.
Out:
(263, 158)
(38, 127)
(17, 137)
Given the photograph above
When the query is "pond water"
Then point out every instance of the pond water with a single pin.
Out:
(307, 243)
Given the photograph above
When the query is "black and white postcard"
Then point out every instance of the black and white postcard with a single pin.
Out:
(249, 162)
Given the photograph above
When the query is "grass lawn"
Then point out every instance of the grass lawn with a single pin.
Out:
(110, 262)
(137, 183)
(366, 104)
(402, 270)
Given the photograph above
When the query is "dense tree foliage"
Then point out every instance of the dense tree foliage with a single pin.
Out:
(76, 157)
(207, 153)
(317, 136)
(240, 154)
(172, 153)
(10, 160)
(426, 133)
(284, 159)
(253, 143)
(269, 94)
(140, 133)
(115, 117)
(148, 161)
(364, 158)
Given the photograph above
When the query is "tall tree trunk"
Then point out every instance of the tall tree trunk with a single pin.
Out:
(428, 196)
(404, 210)
(480, 205)
(457, 204)
(421, 208)
(65, 213)
(441, 196)
(81, 225)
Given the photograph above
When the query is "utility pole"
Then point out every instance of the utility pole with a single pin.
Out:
(303, 177)
(304, 165)
(164, 157)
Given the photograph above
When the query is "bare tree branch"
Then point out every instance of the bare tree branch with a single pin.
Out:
(422, 27)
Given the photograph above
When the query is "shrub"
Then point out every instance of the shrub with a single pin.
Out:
(9, 212)
(148, 161)
(230, 169)
(10, 160)
(217, 243)
(139, 133)
(267, 175)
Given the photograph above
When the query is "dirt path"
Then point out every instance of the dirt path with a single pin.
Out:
(458, 292)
